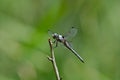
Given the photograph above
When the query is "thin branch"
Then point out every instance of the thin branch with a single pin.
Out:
(52, 59)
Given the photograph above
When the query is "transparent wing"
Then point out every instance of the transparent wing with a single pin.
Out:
(50, 32)
(71, 33)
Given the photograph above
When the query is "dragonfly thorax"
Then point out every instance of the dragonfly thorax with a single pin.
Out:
(58, 37)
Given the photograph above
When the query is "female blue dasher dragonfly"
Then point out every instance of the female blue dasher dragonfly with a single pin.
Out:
(63, 39)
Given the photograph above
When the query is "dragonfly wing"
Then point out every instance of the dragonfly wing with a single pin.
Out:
(71, 33)
(50, 32)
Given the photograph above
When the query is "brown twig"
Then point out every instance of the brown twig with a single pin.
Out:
(52, 59)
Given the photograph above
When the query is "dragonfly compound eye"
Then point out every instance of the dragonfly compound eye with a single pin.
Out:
(55, 35)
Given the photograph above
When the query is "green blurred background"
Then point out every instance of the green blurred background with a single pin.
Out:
(24, 39)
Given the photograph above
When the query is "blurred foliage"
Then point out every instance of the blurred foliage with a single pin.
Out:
(24, 46)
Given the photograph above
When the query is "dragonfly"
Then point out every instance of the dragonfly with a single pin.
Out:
(63, 39)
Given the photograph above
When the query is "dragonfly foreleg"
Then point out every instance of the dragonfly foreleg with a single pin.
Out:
(56, 43)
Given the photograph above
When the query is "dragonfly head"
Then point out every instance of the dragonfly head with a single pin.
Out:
(55, 35)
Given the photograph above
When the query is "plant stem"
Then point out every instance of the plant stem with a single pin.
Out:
(52, 59)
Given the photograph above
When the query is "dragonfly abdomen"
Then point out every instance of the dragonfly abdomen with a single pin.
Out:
(71, 49)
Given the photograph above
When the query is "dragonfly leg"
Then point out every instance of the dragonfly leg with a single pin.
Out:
(56, 43)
